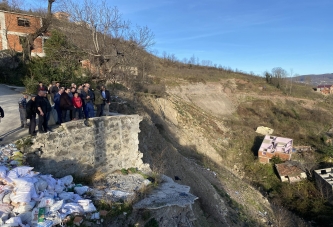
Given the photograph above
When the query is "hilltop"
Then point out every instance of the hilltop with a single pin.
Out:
(315, 79)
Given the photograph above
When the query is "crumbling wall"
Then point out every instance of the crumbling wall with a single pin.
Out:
(106, 145)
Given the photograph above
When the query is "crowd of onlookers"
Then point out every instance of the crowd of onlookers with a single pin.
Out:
(70, 103)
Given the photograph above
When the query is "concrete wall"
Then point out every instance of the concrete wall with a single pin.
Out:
(109, 144)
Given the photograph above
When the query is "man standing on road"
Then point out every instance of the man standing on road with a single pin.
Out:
(41, 111)
(2, 115)
(66, 104)
(87, 97)
(57, 105)
(48, 111)
(23, 110)
(106, 98)
(31, 114)
(99, 101)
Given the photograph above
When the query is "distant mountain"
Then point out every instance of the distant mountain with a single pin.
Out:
(315, 79)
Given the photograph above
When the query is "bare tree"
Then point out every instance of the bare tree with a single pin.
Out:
(291, 80)
(114, 45)
(278, 77)
(27, 42)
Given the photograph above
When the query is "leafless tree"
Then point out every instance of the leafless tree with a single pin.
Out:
(278, 77)
(27, 42)
(113, 44)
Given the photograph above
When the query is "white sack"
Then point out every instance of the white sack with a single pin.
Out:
(56, 206)
(3, 172)
(71, 208)
(40, 185)
(81, 190)
(46, 202)
(67, 180)
(66, 195)
(20, 171)
(24, 208)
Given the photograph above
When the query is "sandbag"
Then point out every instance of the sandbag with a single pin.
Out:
(67, 180)
(46, 202)
(40, 185)
(87, 205)
(20, 171)
(26, 217)
(24, 208)
(46, 223)
(56, 206)
(81, 190)
(59, 188)
(76, 198)
(66, 195)
(3, 172)
(6, 198)
(15, 220)
(20, 197)
(71, 208)
(5, 209)
(50, 181)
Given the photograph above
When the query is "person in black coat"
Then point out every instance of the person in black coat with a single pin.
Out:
(31, 114)
(65, 104)
(2, 115)
(41, 111)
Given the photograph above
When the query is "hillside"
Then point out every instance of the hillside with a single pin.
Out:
(199, 125)
(315, 79)
(203, 130)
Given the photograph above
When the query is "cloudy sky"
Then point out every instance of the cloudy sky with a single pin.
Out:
(250, 35)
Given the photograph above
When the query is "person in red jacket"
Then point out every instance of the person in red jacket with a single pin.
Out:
(77, 103)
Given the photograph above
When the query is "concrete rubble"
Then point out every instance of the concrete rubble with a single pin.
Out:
(167, 194)
(264, 130)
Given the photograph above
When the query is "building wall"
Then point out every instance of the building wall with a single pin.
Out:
(325, 188)
(11, 31)
(109, 144)
(264, 158)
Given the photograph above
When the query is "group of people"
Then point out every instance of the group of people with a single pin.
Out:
(72, 103)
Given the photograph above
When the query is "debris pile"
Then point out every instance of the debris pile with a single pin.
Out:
(28, 198)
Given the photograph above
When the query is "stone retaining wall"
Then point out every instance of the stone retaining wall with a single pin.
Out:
(108, 144)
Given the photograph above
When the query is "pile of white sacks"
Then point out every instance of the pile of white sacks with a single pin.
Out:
(28, 198)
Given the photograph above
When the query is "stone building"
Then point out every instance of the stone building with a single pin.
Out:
(275, 146)
(14, 25)
(325, 89)
(324, 182)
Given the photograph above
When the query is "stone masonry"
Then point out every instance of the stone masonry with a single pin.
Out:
(106, 145)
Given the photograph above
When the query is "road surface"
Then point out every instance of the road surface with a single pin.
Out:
(10, 125)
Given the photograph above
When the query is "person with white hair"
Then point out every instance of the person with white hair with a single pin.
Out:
(22, 109)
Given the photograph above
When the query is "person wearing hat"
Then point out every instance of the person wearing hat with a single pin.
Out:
(22, 109)
(31, 114)
(2, 115)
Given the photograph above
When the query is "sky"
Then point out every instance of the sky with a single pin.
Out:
(248, 35)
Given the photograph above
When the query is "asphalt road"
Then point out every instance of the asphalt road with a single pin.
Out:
(10, 125)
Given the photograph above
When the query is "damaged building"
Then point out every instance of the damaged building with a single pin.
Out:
(324, 182)
(275, 146)
(290, 172)
(14, 25)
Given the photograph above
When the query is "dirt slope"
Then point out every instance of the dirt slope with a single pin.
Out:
(183, 135)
